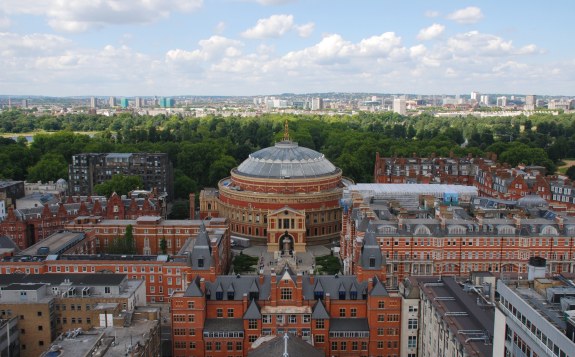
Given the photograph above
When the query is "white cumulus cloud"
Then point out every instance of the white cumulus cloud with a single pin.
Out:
(468, 15)
(475, 43)
(430, 32)
(16, 45)
(81, 15)
(210, 49)
(305, 30)
(277, 26)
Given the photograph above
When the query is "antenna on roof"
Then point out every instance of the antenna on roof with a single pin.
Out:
(286, 131)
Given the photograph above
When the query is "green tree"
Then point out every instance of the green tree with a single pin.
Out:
(180, 209)
(164, 246)
(571, 172)
(123, 245)
(121, 184)
(50, 168)
(183, 185)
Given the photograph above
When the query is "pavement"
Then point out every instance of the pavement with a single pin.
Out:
(303, 261)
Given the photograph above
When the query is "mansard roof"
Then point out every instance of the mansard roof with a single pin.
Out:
(224, 325)
(242, 284)
(332, 284)
(348, 324)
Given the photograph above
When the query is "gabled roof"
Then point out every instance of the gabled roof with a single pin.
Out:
(202, 250)
(378, 288)
(193, 289)
(363, 224)
(254, 287)
(318, 287)
(242, 284)
(319, 311)
(371, 252)
(253, 311)
(332, 284)
(219, 289)
(287, 275)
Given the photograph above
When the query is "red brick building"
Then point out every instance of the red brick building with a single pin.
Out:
(339, 315)
(163, 274)
(450, 170)
(491, 179)
(436, 238)
(29, 226)
(284, 193)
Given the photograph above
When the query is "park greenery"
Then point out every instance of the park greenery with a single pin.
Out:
(327, 264)
(123, 245)
(244, 263)
(121, 184)
(203, 150)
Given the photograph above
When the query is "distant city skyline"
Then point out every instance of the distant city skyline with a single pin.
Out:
(259, 47)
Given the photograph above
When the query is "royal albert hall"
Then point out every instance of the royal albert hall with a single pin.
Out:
(285, 196)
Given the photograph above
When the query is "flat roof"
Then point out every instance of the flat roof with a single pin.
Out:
(461, 312)
(383, 188)
(56, 243)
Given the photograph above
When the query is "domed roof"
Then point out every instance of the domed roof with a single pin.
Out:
(286, 160)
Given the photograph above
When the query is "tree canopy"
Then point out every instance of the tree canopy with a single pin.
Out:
(121, 184)
(204, 149)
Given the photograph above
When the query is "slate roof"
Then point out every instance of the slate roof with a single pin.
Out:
(193, 289)
(296, 347)
(253, 311)
(348, 325)
(371, 250)
(242, 284)
(378, 288)
(319, 311)
(8, 243)
(332, 284)
(213, 325)
(23, 287)
(202, 250)
(57, 279)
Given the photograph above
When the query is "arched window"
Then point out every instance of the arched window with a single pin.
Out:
(549, 231)
(456, 229)
(505, 229)
(422, 230)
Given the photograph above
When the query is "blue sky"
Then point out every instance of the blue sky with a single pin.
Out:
(260, 47)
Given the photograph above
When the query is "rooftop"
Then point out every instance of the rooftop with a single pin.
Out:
(470, 322)
(286, 159)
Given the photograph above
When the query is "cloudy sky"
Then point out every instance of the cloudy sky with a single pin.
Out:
(255, 47)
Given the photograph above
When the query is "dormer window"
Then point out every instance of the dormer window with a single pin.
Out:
(318, 295)
(372, 262)
(201, 262)
(219, 295)
(230, 295)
